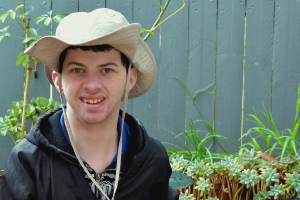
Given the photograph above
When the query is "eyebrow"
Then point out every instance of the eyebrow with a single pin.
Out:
(82, 65)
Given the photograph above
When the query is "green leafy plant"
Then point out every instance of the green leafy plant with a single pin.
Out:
(285, 141)
(31, 36)
(10, 125)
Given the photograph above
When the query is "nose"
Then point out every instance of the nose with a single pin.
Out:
(92, 83)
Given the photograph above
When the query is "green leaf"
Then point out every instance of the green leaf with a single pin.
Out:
(33, 32)
(30, 110)
(47, 21)
(179, 180)
(43, 101)
(13, 15)
(10, 113)
(20, 54)
(50, 103)
(57, 105)
(40, 18)
(20, 60)
(3, 17)
(50, 13)
(24, 62)
(34, 102)
(59, 17)
(18, 7)
(3, 31)
(1, 38)
(28, 40)
(17, 104)
(35, 118)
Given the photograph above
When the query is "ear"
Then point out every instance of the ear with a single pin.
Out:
(55, 78)
(133, 77)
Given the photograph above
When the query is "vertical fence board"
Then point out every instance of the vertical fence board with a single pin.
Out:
(229, 71)
(258, 66)
(145, 108)
(286, 70)
(201, 61)
(11, 76)
(173, 62)
(90, 5)
(39, 86)
(125, 8)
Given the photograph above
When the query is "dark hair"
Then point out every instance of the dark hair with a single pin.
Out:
(95, 48)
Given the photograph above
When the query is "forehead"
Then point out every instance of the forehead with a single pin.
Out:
(90, 54)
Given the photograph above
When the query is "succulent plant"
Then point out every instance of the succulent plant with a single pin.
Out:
(203, 185)
(249, 159)
(269, 176)
(249, 177)
(179, 163)
(235, 170)
(276, 190)
(186, 196)
(261, 196)
(292, 181)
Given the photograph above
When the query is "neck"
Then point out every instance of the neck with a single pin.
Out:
(95, 141)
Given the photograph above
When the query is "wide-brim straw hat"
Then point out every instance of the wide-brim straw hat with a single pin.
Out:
(101, 26)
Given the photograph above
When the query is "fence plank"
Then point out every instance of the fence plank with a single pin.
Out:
(201, 63)
(90, 5)
(125, 8)
(286, 70)
(258, 66)
(39, 85)
(229, 71)
(145, 108)
(173, 62)
(11, 87)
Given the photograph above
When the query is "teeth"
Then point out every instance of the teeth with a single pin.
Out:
(93, 101)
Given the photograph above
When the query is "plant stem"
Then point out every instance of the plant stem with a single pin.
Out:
(158, 19)
(168, 17)
(238, 191)
(21, 25)
(28, 75)
(17, 37)
(10, 137)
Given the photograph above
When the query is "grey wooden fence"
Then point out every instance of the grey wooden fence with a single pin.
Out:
(202, 44)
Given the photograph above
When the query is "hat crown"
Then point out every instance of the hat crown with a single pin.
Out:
(83, 26)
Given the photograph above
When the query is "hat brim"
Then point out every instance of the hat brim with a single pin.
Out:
(127, 40)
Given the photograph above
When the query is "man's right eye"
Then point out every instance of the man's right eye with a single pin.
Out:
(76, 70)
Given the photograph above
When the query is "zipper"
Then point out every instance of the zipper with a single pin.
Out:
(98, 181)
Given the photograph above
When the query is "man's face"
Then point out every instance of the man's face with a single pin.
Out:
(93, 84)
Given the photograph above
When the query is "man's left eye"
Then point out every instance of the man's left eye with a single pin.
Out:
(107, 70)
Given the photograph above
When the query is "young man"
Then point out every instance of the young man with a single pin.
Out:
(87, 150)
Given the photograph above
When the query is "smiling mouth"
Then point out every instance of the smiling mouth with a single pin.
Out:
(95, 101)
